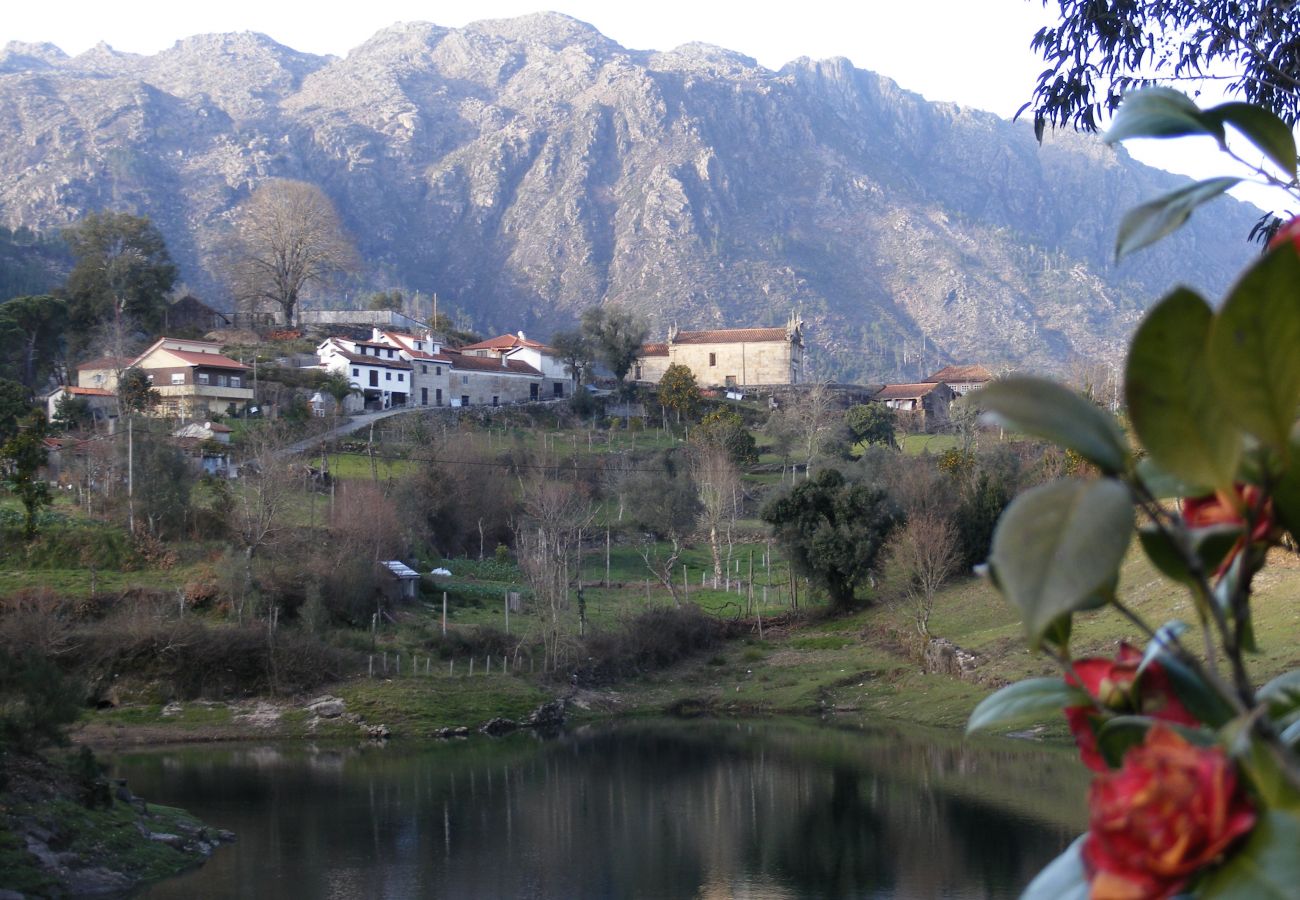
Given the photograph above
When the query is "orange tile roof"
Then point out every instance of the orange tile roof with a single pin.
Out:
(488, 364)
(506, 342)
(655, 349)
(211, 360)
(78, 391)
(906, 391)
(731, 336)
(962, 374)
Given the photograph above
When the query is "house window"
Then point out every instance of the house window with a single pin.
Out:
(559, 389)
(496, 401)
(637, 376)
(388, 376)
(424, 370)
(178, 377)
(223, 380)
(390, 354)
(419, 345)
(437, 370)
(713, 359)
(356, 373)
(464, 399)
(464, 379)
(234, 381)
(401, 377)
(203, 378)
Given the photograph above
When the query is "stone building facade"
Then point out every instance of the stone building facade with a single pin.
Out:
(735, 357)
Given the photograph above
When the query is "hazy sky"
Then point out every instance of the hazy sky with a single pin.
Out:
(974, 52)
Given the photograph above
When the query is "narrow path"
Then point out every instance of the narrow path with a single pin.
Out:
(355, 424)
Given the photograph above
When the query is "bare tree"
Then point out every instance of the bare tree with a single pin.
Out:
(287, 237)
(815, 416)
(260, 503)
(918, 560)
(547, 543)
(717, 482)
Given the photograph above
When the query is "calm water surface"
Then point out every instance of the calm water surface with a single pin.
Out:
(640, 810)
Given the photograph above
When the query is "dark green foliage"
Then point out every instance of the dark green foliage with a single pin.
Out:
(164, 479)
(726, 430)
(121, 267)
(575, 350)
(615, 335)
(1099, 51)
(72, 413)
(21, 459)
(136, 392)
(650, 641)
(664, 502)
(13, 407)
(30, 263)
(833, 530)
(678, 391)
(36, 700)
(871, 423)
(976, 517)
(31, 337)
(387, 300)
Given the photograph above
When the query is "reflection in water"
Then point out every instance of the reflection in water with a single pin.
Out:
(662, 810)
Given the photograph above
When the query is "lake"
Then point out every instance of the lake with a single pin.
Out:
(643, 809)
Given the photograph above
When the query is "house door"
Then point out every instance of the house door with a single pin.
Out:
(374, 378)
(464, 399)
(532, 392)
(437, 396)
(424, 396)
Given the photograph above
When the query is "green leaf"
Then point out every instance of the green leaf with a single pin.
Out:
(1143, 225)
(1201, 700)
(1213, 542)
(1058, 546)
(1117, 734)
(1158, 112)
(1252, 349)
(1266, 131)
(1025, 702)
(1267, 865)
(1286, 490)
(1261, 761)
(1052, 411)
(1171, 401)
(1282, 695)
(1165, 554)
(1064, 878)
(1163, 485)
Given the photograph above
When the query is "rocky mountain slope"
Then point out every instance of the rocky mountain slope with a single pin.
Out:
(528, 168)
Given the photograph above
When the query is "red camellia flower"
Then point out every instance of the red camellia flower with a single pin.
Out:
(1223, 508)
(1115, 685)
(1288, 233)
(1170, 811)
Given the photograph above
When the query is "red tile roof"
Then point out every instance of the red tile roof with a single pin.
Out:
(964, 374)
(85, 391)
(506, 342)
(656, 349)
(489, 364)
(906, 391)
(210, 360)
(731, 336)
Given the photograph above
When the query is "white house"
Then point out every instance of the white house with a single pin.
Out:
(375, 369)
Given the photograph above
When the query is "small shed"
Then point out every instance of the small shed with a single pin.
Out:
(401, 582)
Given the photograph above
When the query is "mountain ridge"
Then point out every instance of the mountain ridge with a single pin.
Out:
(528, 168)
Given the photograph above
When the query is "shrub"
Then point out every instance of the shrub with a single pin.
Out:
(651, 640)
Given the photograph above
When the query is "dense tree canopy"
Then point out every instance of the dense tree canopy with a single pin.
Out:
(616, 335)
(725, 430)
(678, 390)
(1100, 50)
(871, 423)
(31, 336)
(833, 531)
(122, 268)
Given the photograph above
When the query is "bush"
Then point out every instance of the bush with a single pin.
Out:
(36, 701)
(651, 640)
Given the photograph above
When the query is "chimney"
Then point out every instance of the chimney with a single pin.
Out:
(504, 361)
(521, 335)
(374, 333)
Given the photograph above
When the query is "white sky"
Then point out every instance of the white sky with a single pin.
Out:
(973, 52)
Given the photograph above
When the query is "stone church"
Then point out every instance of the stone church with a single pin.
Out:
(733, 357)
